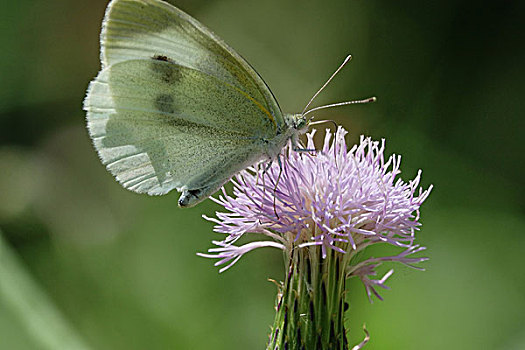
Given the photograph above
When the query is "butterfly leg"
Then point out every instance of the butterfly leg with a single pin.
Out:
(260, 172)
(264, 171)
(276, 184)
(297, 149)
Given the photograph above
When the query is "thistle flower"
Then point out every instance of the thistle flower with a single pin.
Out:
(322, 209)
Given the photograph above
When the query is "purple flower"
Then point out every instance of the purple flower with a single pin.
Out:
(336, 199)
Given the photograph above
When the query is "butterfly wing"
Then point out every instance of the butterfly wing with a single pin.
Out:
(155, 134)
(146, 28)
(174, 106)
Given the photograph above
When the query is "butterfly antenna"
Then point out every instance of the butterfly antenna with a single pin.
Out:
(348, 58)
(366, 100)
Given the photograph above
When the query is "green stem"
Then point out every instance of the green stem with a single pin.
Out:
(310, 303)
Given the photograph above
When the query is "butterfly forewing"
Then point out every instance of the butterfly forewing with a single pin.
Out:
(147, 28)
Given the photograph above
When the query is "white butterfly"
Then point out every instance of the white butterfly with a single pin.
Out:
(174, 107)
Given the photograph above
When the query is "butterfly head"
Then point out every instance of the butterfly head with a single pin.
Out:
(299, 123)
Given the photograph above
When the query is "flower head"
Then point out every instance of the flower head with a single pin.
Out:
(337, 199)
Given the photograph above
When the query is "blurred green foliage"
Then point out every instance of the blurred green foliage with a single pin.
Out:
(121, 268)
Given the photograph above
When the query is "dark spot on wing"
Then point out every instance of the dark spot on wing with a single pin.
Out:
(162, 58)
(164, 103)
(166, 69)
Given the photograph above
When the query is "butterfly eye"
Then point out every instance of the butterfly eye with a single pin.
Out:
(299, 122)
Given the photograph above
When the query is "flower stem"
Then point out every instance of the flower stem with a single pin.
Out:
(310, 303)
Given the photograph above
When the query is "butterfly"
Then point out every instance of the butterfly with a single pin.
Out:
(174, 107)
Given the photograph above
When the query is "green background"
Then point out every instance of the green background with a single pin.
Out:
(118, 270)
